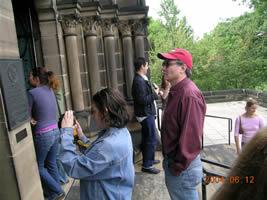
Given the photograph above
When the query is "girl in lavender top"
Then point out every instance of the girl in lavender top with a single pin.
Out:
(247, 124)
(43, 109)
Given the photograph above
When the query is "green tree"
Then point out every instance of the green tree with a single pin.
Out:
(170, 31)
(233, 55)
(259, 5)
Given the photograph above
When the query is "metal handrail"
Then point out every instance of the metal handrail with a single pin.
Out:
(216, 163)
(211, 173)
(230, 127)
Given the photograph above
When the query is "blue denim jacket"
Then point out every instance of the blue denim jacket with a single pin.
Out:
(105, 169)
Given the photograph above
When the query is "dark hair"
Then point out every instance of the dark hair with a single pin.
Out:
(111, 104)
(46, 77)
(138, 62)
(251, 102)
(188, 72)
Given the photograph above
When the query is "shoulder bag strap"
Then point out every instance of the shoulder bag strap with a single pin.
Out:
(241, 131)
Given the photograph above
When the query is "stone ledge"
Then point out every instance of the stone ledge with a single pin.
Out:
(235, 95)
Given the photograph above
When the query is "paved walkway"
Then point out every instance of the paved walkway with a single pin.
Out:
(152, 187)
(215, 130)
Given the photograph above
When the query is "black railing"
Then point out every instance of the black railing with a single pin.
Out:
(230, 127)
(209, 173)
(215, 163)
(230, 122)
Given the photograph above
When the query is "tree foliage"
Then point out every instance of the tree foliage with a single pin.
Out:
(233, 55)
(171, 31)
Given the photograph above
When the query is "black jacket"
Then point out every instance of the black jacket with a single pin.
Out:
(143, 96)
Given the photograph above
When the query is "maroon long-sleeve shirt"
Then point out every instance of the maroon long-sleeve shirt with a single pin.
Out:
(182, 125)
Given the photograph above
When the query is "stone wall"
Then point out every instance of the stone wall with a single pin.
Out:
(19, 173)
(224, 95)
(90, 45)
(235, 95)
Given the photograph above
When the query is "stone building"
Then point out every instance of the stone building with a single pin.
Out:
(89, 44)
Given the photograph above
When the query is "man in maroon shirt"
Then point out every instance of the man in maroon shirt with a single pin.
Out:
(182, 127)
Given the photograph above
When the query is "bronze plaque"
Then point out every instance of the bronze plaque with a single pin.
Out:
(14, 92)
(21, 135)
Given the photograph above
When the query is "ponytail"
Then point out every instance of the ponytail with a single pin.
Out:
(46, 78)
(53, 81)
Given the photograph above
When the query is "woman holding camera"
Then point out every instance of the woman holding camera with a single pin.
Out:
(105, 168)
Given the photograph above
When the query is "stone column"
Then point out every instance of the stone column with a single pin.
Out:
(109, 44)
(127, 46)
(139, 34)
(89, 28)
(69, 24)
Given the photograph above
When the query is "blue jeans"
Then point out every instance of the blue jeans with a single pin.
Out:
(46, 145)
(149, 141)
(63, 178)
(183, 187)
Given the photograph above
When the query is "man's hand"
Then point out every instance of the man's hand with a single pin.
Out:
(33, 122)
(156, 88)
(160, 94)
(67, 121)
(157, 91)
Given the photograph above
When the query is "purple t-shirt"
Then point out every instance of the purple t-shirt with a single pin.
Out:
(43, 108)
(250, 126)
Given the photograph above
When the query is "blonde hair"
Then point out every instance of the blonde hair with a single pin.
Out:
(53, 81)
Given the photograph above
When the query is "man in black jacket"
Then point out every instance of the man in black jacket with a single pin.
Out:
(144, 108)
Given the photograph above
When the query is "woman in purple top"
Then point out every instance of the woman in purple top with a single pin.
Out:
(43, 109)
(247, 124)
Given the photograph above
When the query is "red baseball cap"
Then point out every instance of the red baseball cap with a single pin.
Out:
(178, 54)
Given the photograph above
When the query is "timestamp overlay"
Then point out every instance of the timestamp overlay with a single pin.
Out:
(230, 179)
